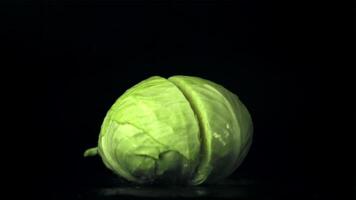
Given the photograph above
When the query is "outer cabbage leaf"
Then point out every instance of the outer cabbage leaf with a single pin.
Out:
(225, 124)
(151, 133)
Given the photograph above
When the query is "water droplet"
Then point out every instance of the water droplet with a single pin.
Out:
(218, 136)
(228, 126)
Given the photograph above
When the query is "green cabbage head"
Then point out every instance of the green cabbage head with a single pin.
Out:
(180, 130)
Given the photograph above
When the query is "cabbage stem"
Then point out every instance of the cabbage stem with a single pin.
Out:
(91, 152)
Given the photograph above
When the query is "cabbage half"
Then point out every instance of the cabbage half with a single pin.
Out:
(180, 130)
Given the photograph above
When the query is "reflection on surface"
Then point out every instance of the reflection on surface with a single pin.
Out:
(175, 191)
(239, 189)
(226, 189)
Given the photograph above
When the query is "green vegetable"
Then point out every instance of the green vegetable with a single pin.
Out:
(180, 130)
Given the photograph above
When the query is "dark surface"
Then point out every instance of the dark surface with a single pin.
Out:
(228, 189)
(291, 63)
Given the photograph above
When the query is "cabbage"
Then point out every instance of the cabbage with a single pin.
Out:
(180, 130)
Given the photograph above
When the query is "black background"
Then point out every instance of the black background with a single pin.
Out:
(291, 63)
